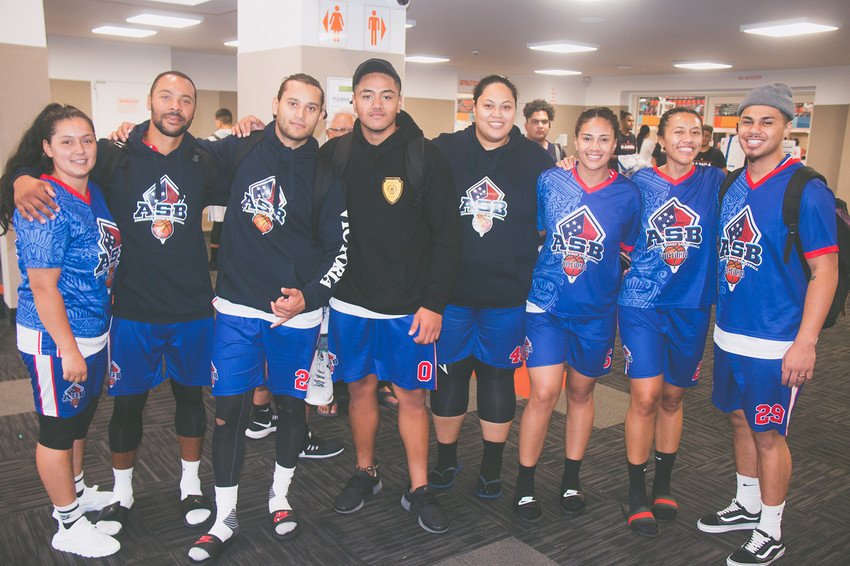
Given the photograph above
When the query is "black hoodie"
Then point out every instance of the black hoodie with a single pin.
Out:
(499, 218)
(401, 257)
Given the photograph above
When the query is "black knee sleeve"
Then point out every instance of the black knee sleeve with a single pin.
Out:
(125, 426)
(190, 417)
(215, 233)
(291, 429)
(451, 398)
(228, 443)
(496, 393)
(59, 433)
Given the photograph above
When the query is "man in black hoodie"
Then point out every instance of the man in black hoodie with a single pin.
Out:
(403, 256)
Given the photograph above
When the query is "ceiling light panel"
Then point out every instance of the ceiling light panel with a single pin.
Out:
(162, 20)
(563, 47)
(558, 72)
(182, 2)
(701, 65)
(425, 59)
(124, 32)
(788, 28)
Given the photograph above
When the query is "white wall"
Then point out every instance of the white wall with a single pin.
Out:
(98, 60)
(429, 81)
(209, 72)
(24, 23)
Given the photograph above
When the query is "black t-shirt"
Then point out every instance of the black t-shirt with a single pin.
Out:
(711, 157)
(660, 155)
(626, 145)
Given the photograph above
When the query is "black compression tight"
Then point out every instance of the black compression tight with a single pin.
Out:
(190, 416)
(291, 429)
(125, 426)
(496, 394)
(59, 433)
(228, 443)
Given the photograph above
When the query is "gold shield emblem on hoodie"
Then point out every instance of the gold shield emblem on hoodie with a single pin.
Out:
(392, 188)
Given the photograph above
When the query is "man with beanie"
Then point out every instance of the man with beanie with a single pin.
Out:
(769, 314)
(403, 256)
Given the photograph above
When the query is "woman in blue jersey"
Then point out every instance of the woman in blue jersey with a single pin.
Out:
(495, 170)
(664, 309)
(67, 266)
(589, 214)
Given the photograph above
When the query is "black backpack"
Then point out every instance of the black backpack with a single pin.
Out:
(791, 217)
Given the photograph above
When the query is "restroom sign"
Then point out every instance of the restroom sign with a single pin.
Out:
(333, 27)
(376, 24)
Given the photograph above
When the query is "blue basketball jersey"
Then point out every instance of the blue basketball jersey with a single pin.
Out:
(85, 243)
(760, 296)
(578, 271)
(674, 260)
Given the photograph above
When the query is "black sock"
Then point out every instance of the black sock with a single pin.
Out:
(570, 477)
(446, 456)
(491, 460)
(262, 409)
(663, 471)
(637, 486)
(525, 480)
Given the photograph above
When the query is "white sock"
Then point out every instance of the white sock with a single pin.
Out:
(68, 514)
(749, 494)
(280, 488)
(225, 512)
(190, 483)
(771, 520)
(79, 484)
(225, 519)
(122, 491)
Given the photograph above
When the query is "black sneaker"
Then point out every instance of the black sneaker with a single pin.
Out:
(360, 487)
(316, 447)
(423, 503)
(262, 424)
(733, 518)
(760, 549)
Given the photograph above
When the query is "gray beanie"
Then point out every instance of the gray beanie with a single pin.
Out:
(776, 95)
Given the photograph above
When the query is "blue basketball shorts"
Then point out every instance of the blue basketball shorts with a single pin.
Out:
(248, 353)
(55, 397)
(360, 346)
(586, 344)
(143, 355)
(668, 342)
(755, 386)
(494, 336)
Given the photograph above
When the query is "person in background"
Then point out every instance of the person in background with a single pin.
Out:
(67, 267)
(626, 143)
(709, 156)
(539, 116)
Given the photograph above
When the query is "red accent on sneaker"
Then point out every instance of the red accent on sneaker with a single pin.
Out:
(204, 539)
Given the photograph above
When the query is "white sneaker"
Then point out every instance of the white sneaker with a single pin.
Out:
(83, 539)
(93, 500)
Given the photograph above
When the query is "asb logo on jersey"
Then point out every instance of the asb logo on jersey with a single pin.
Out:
(162, 206)
(627, 354)
(109, 243)
(74, 394)
(213, 374)
(259, 201)
(674, 228)
(333, 361)
(578, 237)
(114, 374)
(739, 246)
(484, 201)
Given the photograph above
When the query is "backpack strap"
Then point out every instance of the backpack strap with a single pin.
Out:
(243, 150)
(112, 156)
(208, 167)
(791, 212)
(322, 180)
(414, 162)
(727, 182)
(342, 152)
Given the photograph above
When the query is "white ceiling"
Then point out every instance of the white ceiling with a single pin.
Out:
(646, 35)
